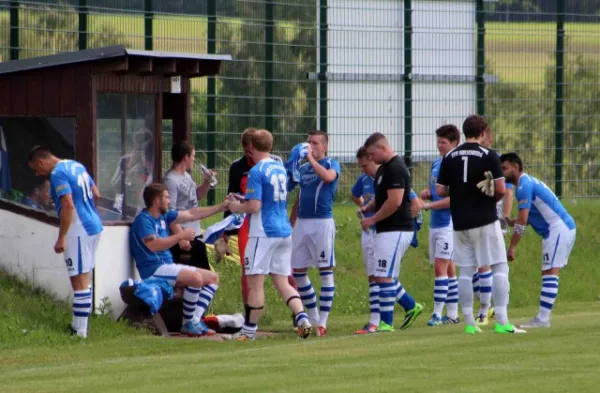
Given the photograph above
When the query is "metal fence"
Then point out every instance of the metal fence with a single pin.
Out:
(352, 67)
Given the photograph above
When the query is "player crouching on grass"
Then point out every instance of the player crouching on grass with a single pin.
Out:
(150, 242)
(540, 208)
(269, 248)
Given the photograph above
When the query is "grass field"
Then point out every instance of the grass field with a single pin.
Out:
(36, 354)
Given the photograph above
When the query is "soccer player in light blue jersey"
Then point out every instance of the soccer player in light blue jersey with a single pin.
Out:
(441, 236)
(314, 230)
(269, 248)
(74, 193)
(540, 208)
(150, 240)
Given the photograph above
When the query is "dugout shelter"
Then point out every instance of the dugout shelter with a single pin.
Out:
(110, 108)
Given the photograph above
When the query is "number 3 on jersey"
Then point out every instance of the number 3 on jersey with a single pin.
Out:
(465, 168)
(279, 187)
(83, 181)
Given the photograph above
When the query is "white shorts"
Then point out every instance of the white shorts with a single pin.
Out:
(479, 247)
(268, 255)
(389, 250)
(80, 254)
(170, 271)
(313, 243)
(441, 243)
(557, 247)
(367, 241)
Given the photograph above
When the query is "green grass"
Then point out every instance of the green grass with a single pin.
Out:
(36, 354)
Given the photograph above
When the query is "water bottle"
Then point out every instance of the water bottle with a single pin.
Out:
(212, 179)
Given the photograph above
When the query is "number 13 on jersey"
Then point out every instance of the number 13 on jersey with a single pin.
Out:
(279, 187)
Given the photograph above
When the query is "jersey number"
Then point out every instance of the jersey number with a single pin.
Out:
(465, 166)
(279, 187)
(83, 181)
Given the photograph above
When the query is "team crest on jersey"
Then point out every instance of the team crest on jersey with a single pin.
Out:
(433, 179)
(163, 225)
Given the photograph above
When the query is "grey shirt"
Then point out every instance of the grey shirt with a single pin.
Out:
(182, 190)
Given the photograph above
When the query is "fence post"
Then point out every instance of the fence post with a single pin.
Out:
(14, 30)
(480, 19)
(83, 25)
(322, 60)
(211, 91)
(407, 79)
(559, 103)
(269, 37)
(148, 27)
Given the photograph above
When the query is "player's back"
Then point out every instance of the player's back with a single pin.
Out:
(316, 197)
(461, 170)
(546, 210)
(440, 218)
(71, 177)
(268, 183)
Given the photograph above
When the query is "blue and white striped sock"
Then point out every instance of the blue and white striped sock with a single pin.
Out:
(190, 298)
(308, 296)
(82, 305)
(207, 293)
(452, 299)
(387, 301)
(326, 296)
(440, 294)
(548, 296)
(300, 316)
(374, 303)
(404, 299)
(476, 284)
(485, 292)
(249, 329)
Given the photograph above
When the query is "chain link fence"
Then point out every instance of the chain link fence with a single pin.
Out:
(353, 67)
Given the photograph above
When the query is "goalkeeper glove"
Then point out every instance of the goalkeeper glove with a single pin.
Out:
(487, 186)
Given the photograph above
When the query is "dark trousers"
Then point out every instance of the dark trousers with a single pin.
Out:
(196, 257)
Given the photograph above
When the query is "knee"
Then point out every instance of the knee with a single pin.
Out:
(196, 281)
(500, 269)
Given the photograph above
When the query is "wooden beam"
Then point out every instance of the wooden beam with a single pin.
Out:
(188, 67)
(165, 67)
(119, 65)
(140, 65)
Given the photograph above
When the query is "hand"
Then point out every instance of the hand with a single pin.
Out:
(59, 246)
(487, 185)
(224, 205)
(426, 206)
(235, 206)
(510, 254)
(360, 214)
(185, 245)
(367, 223)
(364, 209)
(309, 155)
(425, 194)
(187, 234)
(235, 197)
(207, 175)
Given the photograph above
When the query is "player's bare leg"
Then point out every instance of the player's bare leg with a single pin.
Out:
(293, 301)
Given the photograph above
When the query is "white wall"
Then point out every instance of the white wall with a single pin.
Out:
(27, 252)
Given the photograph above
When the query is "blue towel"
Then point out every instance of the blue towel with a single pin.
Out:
(292, 164)
(152, 292)
(229, 223)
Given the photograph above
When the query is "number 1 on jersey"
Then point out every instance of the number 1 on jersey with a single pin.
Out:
(83, 181)
(465, 167)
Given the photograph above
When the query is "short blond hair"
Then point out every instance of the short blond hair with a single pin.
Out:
(262, 140)
(247, 136)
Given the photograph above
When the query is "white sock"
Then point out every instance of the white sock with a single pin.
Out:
(205, 297)
(500, 292)
(374, 303)
(548, 296)
(190, 298)
(326, 296)
(452, 299)
(440, 294)
(82, 305)
(485, 291)
(465, 294)
(308, 296)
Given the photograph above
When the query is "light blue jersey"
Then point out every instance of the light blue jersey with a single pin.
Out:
(364, 188)
(316, 196)
(545, 210)
(70, 177)
(143, 226)
(267, 182)
(440, 218)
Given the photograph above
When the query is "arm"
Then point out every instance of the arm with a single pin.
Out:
(156, 244)
(199, 213)
(499, 189)
(393, 202)
(415, 206)
(519, 228)
(202, 189)
(96, 193)
(508, 202)
(358, 201)
(442, 190)
(66, 215)
(497, 175)
(250, 207)
(327, 175)
(183, 244)
(294, 213)
(437, 205)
